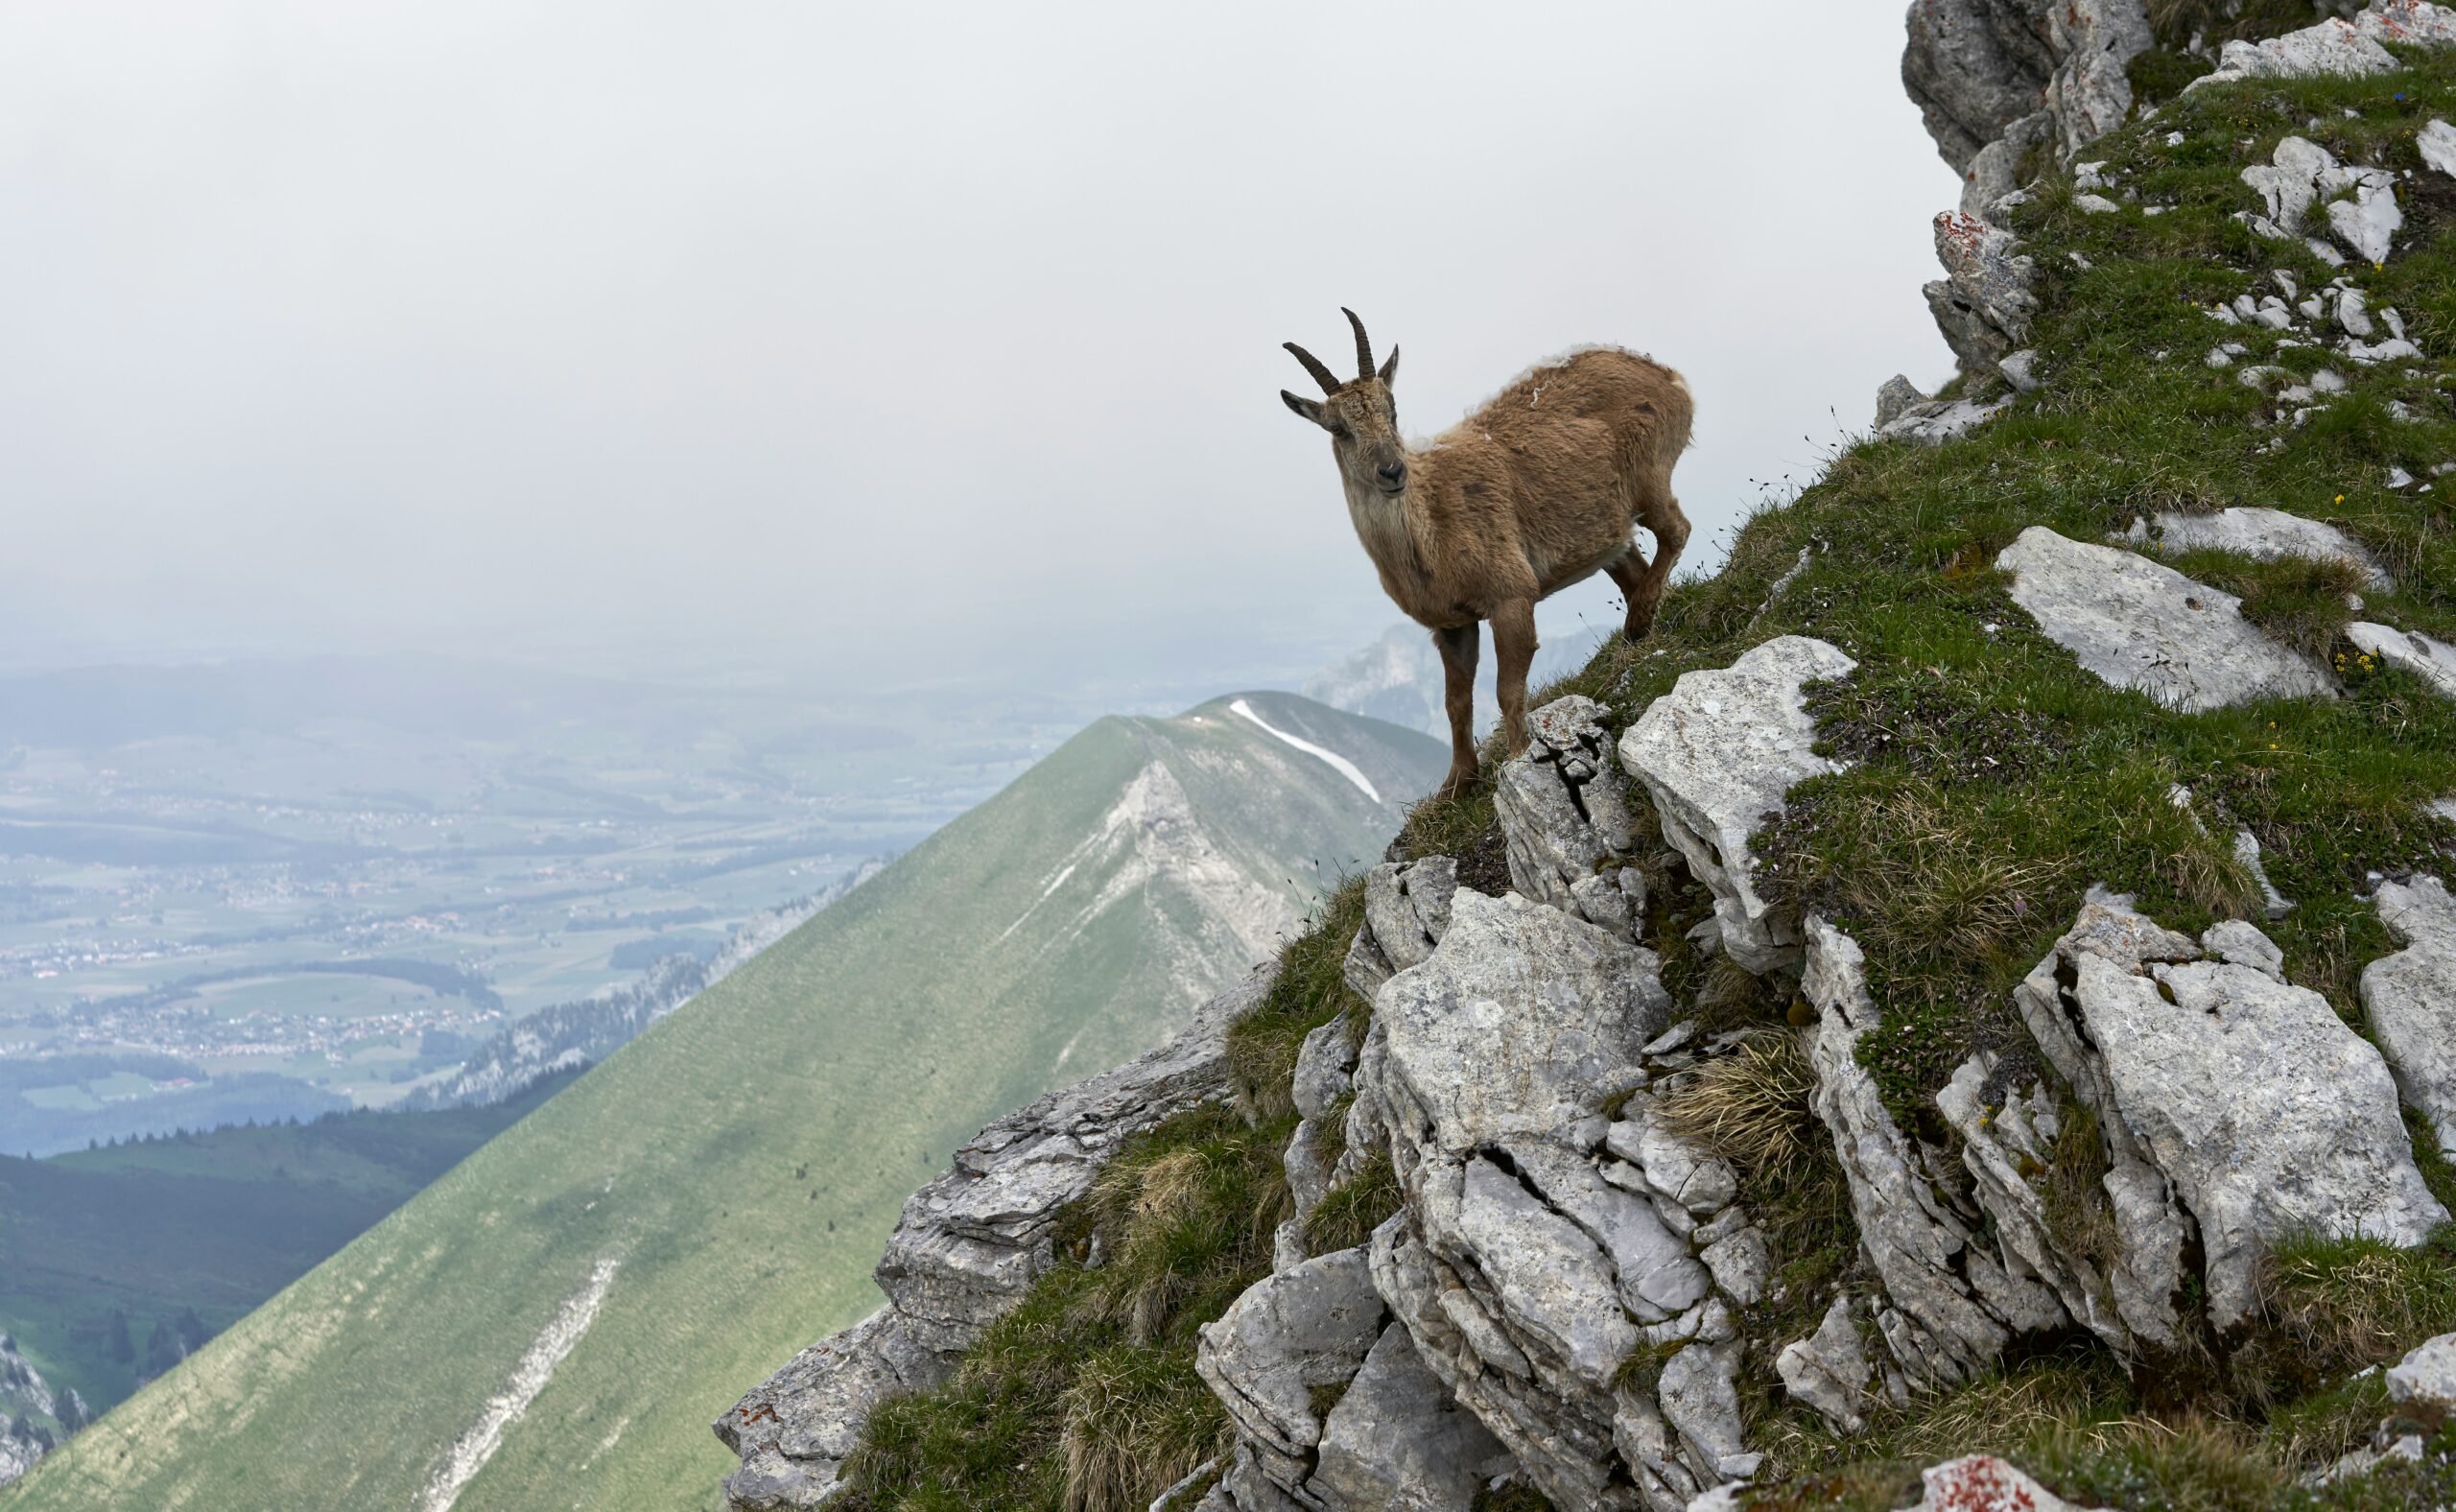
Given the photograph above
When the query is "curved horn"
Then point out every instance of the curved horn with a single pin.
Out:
(1363, 347)
(1314, 366)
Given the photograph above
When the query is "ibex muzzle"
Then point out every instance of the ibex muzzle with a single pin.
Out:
(1540, 488)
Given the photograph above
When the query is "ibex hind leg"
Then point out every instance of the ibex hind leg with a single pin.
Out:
(1641, 582)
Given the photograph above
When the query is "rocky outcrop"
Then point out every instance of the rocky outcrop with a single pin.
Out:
(1394, 1437)
(2137, 624)
(1993, 78)
(1716, 756)
(2348, 49)
(1984, 302)
(2251, 1103)
(966, 1248)
(2410, 997)
(2228, 1109)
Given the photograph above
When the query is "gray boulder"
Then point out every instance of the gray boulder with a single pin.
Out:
(2426, 657)
(1717, 754)
(2263, 534)
(1979, 68)
(965, 1250)
(2334, 46)
(1939, 421)
(2410, 999)
(1949, 1305)
(2136, 623)
(1830, 1370)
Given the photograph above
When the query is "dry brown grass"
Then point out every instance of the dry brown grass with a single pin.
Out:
(1130, 1431)
(1749, 1105)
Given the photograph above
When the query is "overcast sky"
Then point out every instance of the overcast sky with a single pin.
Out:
(876, 337)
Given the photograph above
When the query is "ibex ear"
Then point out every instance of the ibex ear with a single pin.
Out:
(1308, 409)
(1390, 369)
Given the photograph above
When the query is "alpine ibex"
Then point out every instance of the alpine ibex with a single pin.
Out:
(1540, 488)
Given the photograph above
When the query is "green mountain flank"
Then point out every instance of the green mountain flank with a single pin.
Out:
(555, 1321)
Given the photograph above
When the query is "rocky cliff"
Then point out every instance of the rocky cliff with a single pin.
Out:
(1962, 1017)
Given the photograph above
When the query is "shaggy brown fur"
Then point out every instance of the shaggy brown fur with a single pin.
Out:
(1540, 488)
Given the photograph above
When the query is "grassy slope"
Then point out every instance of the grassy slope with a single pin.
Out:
(212, 1223)
(743, 1162)
(1992, 781)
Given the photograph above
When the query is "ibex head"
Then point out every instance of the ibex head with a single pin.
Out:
(1360, 415)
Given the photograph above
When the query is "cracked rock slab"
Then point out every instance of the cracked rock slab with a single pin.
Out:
(2410, 997)
(2263, 534)
(2136, 623)
(1407, 908)
(1717, 754)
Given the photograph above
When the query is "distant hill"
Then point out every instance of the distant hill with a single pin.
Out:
(115, 1263)
(554, 1322)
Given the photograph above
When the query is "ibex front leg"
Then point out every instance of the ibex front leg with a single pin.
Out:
(1457, 648)
(1513, 649)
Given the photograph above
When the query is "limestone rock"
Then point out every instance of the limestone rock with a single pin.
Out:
(1829, 1370)
(964, 1251)
(2410, 997)
(1288, 1334)
(2438, 144)
(1938, 421)
(2263, 534)
(2334, 46)
(2424, 1383)
(1717, 754)
(2361, 203)
(1407, 908)
(1701, 1399)
(2432, 660)
(1951, 1307)
(1397, 1440)
(1981, 69)
(1523, 1021)
(1564, 809)
(1899, 395)
(2135, 623)
(2408, 23)
(1984, 303)
(2261, 1112)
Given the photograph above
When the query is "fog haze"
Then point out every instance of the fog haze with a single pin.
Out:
(876, 342)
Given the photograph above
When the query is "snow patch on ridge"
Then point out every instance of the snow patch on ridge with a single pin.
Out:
(561, 1334)
(1338, 763)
